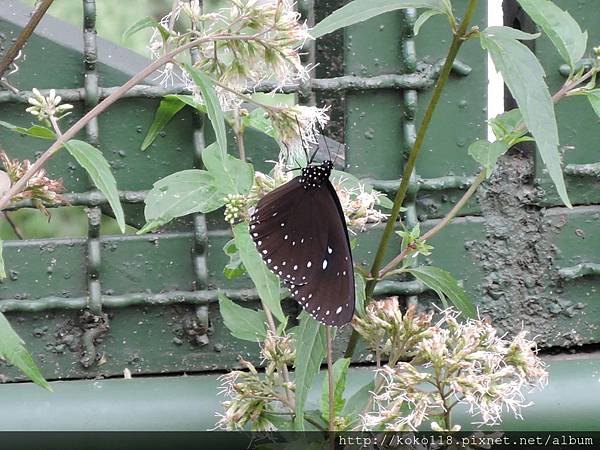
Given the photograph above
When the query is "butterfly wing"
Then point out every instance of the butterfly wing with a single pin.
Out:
(302, 237)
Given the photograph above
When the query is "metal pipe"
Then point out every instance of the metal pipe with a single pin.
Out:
(189, 403)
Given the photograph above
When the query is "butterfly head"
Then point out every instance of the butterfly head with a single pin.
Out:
(313, 176)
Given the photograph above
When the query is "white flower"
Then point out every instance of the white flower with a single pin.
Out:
(45, 107)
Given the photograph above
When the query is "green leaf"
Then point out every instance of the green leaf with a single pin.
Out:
(352, 183)
(445, 285)
(594, 99)
(311, 345)
(169, 106)
(524, 77)
(561, 28)
(258, 120)
(243, 323)
(510, 33)
(361, 10)
(232, 175)
(2, 269)
(360, 299)
(188, 100)
(487, 153)
(234, 267)
(340, 372)
(179, 194)
(97, 167)
(424, 17)
(35, 131)
(13, 350)
(213, 107)
(142, 24)
(266, 282)
(357, 402)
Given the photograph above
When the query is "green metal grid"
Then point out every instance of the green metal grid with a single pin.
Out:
(131, 272)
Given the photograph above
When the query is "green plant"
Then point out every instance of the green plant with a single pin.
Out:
(251, 42)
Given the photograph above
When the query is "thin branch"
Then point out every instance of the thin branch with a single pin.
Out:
(331, 388)
(439, 226)
(14, 226)
(26, 32)
(102, 106)
(284, 370)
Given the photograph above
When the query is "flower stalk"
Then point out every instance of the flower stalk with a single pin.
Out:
(388, 232)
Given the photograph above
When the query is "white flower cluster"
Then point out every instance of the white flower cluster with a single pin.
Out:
(252, 397)
(450, 363)
(45, 107)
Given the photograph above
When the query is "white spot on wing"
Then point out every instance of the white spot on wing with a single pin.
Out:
(329, 250)
(308, 264)
(339, 310)
(324, 264)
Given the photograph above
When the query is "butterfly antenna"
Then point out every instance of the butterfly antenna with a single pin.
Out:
(295, 160)
(338, 153)
(322, 130)
(308, 160)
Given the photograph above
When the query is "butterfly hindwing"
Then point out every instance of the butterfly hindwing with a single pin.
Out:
(302, 237)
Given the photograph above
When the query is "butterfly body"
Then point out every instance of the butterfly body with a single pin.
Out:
(300, 231)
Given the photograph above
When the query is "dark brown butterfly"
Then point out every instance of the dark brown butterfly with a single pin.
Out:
(300, 232)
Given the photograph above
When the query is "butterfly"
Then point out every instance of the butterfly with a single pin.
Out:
(301, 234)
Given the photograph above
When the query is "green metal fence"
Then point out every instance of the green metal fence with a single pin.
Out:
(93, 305)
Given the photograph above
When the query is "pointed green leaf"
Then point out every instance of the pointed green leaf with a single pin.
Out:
(487, 153)
(360, 299)
(234, 267)
(445, 285)
(594, 99)
(340, 372)
(561, 28)
(266, 282)
(97, 167)
(243, 323)
(424, 17)
(524, 77)
(142, 24)
(361, 10)
(189, 100)
(35, 131)
(169, 106)
(232, 175)
(357, 402)
(311, 345)
(258, 120)
(180, 194)
(213, 106)
(13, 350)
(2, 269)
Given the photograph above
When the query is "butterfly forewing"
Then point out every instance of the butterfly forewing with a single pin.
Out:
(301, 235)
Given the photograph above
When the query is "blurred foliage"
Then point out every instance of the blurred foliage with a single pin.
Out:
(69, 221)
(113, 17)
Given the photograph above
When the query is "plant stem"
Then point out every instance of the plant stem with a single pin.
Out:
(457, 42)
(330, 379)
(14, 226)
(103, 105)
(439, 226)
(284, 370)
(239, 134)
